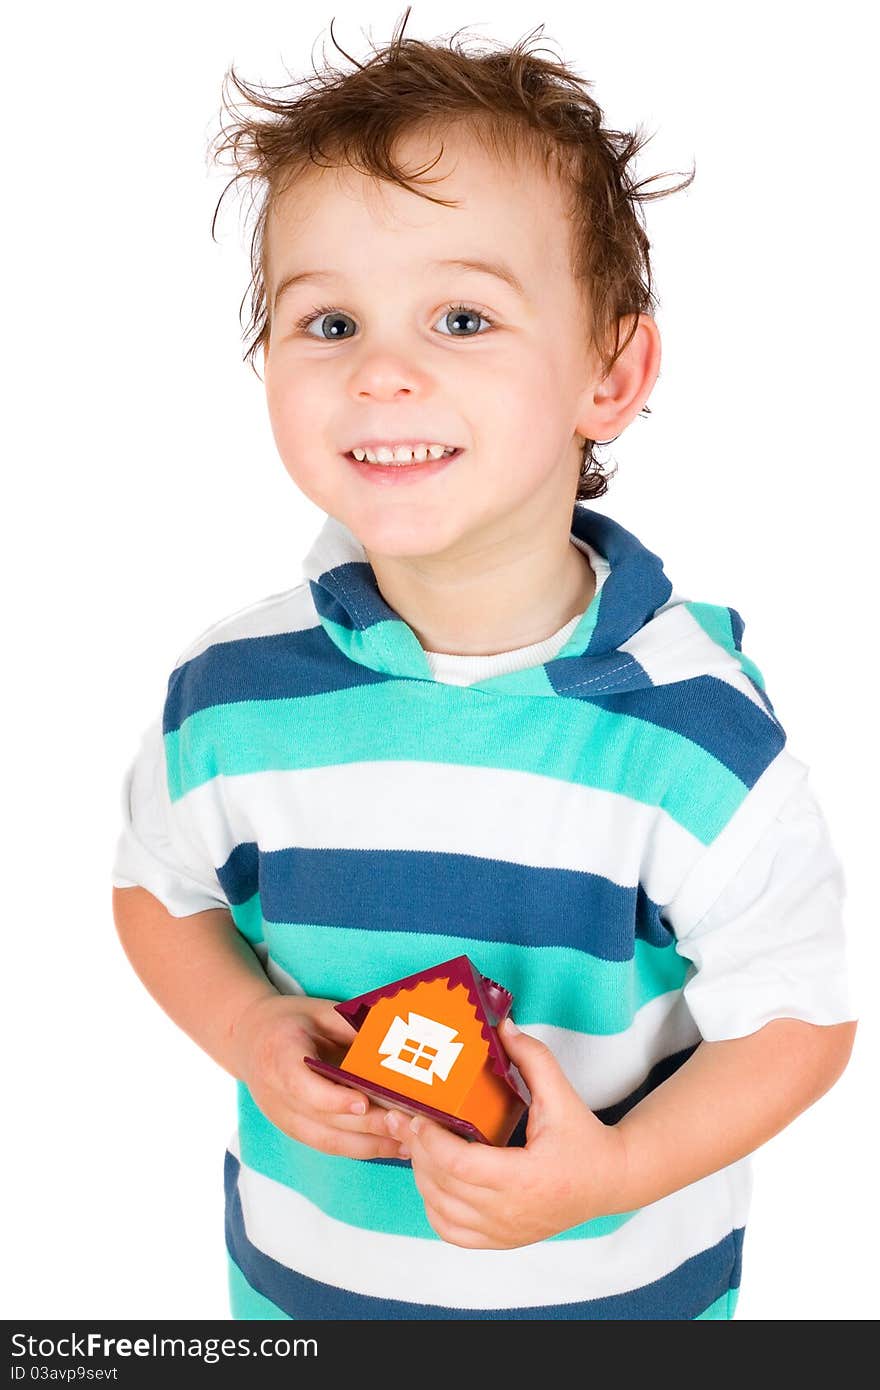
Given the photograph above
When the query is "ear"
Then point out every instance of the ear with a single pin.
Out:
(610, 403)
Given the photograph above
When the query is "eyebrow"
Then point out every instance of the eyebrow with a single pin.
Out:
(496, 268)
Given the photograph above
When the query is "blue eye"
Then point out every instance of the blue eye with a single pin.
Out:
(332, 322)
(333, 329)
(469, 314)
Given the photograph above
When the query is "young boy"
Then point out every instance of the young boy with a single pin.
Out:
(483, 724)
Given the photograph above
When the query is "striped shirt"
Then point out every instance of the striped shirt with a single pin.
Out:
(608, 823)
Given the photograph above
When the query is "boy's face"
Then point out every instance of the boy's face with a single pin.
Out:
(407, 364)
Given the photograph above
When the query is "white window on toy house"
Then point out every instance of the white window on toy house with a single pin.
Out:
(420, 1048)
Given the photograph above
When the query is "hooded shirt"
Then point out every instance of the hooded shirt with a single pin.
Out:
(608, 823)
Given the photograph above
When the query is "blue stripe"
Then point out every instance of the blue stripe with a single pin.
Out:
(635, 588)
(704, 712)
(245, 1303)
(240, 875)
(684, 1293)
(586, 677)
(710, 713)
(432, 893)
(349, 596)
(544, 907)
(279, 667)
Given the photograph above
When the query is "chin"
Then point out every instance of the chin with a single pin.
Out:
(400, 537)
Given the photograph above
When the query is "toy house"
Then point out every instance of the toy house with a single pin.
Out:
(427, 1045)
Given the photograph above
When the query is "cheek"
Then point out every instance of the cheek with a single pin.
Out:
(297, 427)
(299, 419)
(528, 390)
(528, 408)
(291, 402)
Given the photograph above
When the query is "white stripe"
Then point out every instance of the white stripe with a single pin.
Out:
(674, 646)
(292, 610)
(156, 848)
(290, 1229)
(599, 565)
(604, 1068)
(727, 852)
(772, 945)
(492, 813)
(333, 546)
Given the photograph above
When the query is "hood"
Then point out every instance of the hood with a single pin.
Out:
(636, 633)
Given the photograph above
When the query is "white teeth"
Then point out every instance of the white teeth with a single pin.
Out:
(402, 453)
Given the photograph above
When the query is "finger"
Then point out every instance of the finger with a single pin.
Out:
(453, 1162)
(452, 1210)
(466, 1236)
(397, 1124)
(361, 1118)
(333, 1025)
(331, 1140)
(373, 1122)
(322, 1095)
(549, 1086)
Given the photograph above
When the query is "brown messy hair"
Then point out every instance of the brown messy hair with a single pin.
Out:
(514, 101)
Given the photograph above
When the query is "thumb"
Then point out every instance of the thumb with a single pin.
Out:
(331, 1024)
(550, 1087)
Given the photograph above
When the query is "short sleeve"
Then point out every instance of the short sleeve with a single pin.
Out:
(772, 945)
(157, 848)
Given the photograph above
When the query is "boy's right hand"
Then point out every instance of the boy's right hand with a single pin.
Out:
(273, 1035)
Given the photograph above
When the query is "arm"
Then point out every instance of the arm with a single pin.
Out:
(208, 980)
(771, 942)
(199, 969)
(728, 1099)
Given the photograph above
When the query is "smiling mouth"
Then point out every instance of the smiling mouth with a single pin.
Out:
(403, 463)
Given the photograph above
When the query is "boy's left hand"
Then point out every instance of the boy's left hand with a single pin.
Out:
(488, 1198)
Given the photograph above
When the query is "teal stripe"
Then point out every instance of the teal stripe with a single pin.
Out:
(374, 1196)
(248, 918)
(532, 680)
(390, 646)
(550, 984)
(723, 1307)
(574, 741)
(715, 622)
(246, 1303)
(582, 636)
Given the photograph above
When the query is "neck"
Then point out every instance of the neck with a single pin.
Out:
(489, 602)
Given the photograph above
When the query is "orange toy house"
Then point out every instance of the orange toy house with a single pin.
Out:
(427, 1045)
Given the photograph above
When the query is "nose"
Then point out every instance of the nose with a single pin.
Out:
(386, 376)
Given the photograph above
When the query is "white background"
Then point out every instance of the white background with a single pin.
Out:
(144, 500)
